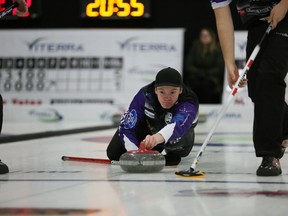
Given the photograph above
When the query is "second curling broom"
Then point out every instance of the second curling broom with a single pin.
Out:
(192, 172)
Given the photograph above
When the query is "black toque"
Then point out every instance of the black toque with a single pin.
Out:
(168, 77)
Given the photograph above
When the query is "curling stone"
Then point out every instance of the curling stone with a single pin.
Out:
(142, 161)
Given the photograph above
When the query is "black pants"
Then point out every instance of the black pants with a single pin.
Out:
(182, 148)
(1, 113)
(266, 88)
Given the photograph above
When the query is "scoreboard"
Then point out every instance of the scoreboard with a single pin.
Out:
(91, 9)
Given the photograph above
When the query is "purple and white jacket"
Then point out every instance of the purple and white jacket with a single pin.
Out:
(170, 123)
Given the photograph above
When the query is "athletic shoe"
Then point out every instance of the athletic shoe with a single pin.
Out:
(172, 159)
(284, 145)
(3, 168)
(270, 166)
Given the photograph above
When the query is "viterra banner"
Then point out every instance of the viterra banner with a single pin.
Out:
(83, 75)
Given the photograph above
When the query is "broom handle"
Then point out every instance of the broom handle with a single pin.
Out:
(230, 97)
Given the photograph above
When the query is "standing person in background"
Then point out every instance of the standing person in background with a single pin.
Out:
(21, 10)
(205, 68)
(266, 85)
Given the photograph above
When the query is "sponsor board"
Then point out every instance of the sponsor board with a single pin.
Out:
(85, 74)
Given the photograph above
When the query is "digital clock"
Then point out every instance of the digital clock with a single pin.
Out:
(115, 9)
(33, 7)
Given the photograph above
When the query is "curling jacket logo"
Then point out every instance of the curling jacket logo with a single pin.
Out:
(129, 119)
(133, 44)
(40, 45)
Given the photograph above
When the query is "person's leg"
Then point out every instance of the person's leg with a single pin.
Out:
(266, 87)
(284, 144)
(1, 112)
(3, 167)
(115, 148)
(269, 101)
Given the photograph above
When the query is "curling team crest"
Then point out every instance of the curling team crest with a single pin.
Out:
(129, 119)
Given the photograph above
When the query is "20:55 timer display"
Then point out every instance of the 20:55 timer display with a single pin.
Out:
(115, 9)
